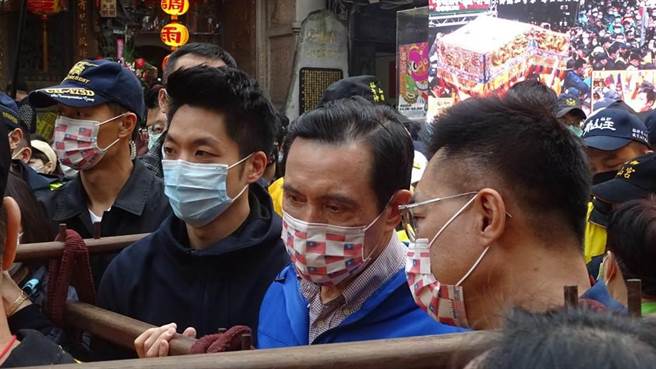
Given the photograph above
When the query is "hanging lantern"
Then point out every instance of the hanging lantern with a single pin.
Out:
(174, 35)
(44, 8)
(175, 8)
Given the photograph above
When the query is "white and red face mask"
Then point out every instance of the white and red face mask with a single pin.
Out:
(444, 303)
(76, 142)
(325, 254)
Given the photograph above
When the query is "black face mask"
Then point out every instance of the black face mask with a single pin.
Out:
(603, 177)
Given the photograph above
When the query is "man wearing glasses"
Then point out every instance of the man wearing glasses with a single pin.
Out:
(348, 168)
(498, 218)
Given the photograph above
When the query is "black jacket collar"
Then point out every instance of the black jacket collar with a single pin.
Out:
(72, 201)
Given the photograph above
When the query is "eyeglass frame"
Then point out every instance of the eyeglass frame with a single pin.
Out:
(407, 209)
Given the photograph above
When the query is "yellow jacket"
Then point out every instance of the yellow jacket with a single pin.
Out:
(594, 243)
(275, 191)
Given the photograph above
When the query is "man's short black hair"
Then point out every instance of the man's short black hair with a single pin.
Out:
(572, 338)
(202, 49)
(151, 96)
(250, 118)
(532, 91)
(632, 238)
(378, 127)
(537, 160)
(649, 90)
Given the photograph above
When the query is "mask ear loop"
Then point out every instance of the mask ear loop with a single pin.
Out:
(462, 209)
(111, 119)
(17, 155)
(471, 270)
(240, 161)
(240, 193)
(234, 165)
(118, 139)
(368, 258)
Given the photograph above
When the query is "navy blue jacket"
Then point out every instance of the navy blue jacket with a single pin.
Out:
(574, 80)
(389, 313)
(160, 279)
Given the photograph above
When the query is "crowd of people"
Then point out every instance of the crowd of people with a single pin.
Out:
(348, 224)
(615, 35)
(609, 35)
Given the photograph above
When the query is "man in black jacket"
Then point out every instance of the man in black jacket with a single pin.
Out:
(99, 104)
(208, 266)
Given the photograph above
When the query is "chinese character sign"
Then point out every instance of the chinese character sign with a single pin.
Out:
(108, 8)
(44, 7)
(175, 7)
(174, 35)
(449, 6)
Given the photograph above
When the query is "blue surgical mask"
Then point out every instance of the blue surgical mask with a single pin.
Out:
(198, 192)
(153, 138)
(576, 130)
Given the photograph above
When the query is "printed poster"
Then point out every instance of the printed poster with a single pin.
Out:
(413, 79)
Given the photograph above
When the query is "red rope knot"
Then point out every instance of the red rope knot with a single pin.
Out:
(221, 342)
(72, 269)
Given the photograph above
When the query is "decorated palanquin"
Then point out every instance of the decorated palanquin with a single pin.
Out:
(490, 53)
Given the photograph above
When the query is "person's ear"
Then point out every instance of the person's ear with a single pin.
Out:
(492, 215)
(13, 216)
(610, 268)
(25, 155)
(15, 137)
(49, 167)
(163, 100)
(255, 166)
(128, 124)
(392, 217)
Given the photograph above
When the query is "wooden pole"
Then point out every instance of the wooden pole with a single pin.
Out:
(51, 250)
(634, 297)
(571, 297)
(44, 27)
(116, 328)
(246, 341)
(22, 15)
(434, 352)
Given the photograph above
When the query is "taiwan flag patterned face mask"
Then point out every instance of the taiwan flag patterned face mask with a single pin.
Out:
(76, 142)
(325, 254)
(443, 302)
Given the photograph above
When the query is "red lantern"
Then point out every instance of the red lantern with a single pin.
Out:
(174, 35)
(44, 8)
(175, 7)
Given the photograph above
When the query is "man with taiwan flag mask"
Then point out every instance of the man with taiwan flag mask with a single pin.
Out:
(498, 219)
(347, 170)
(99, 104)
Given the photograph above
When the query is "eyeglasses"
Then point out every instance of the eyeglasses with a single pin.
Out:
(408, 219)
